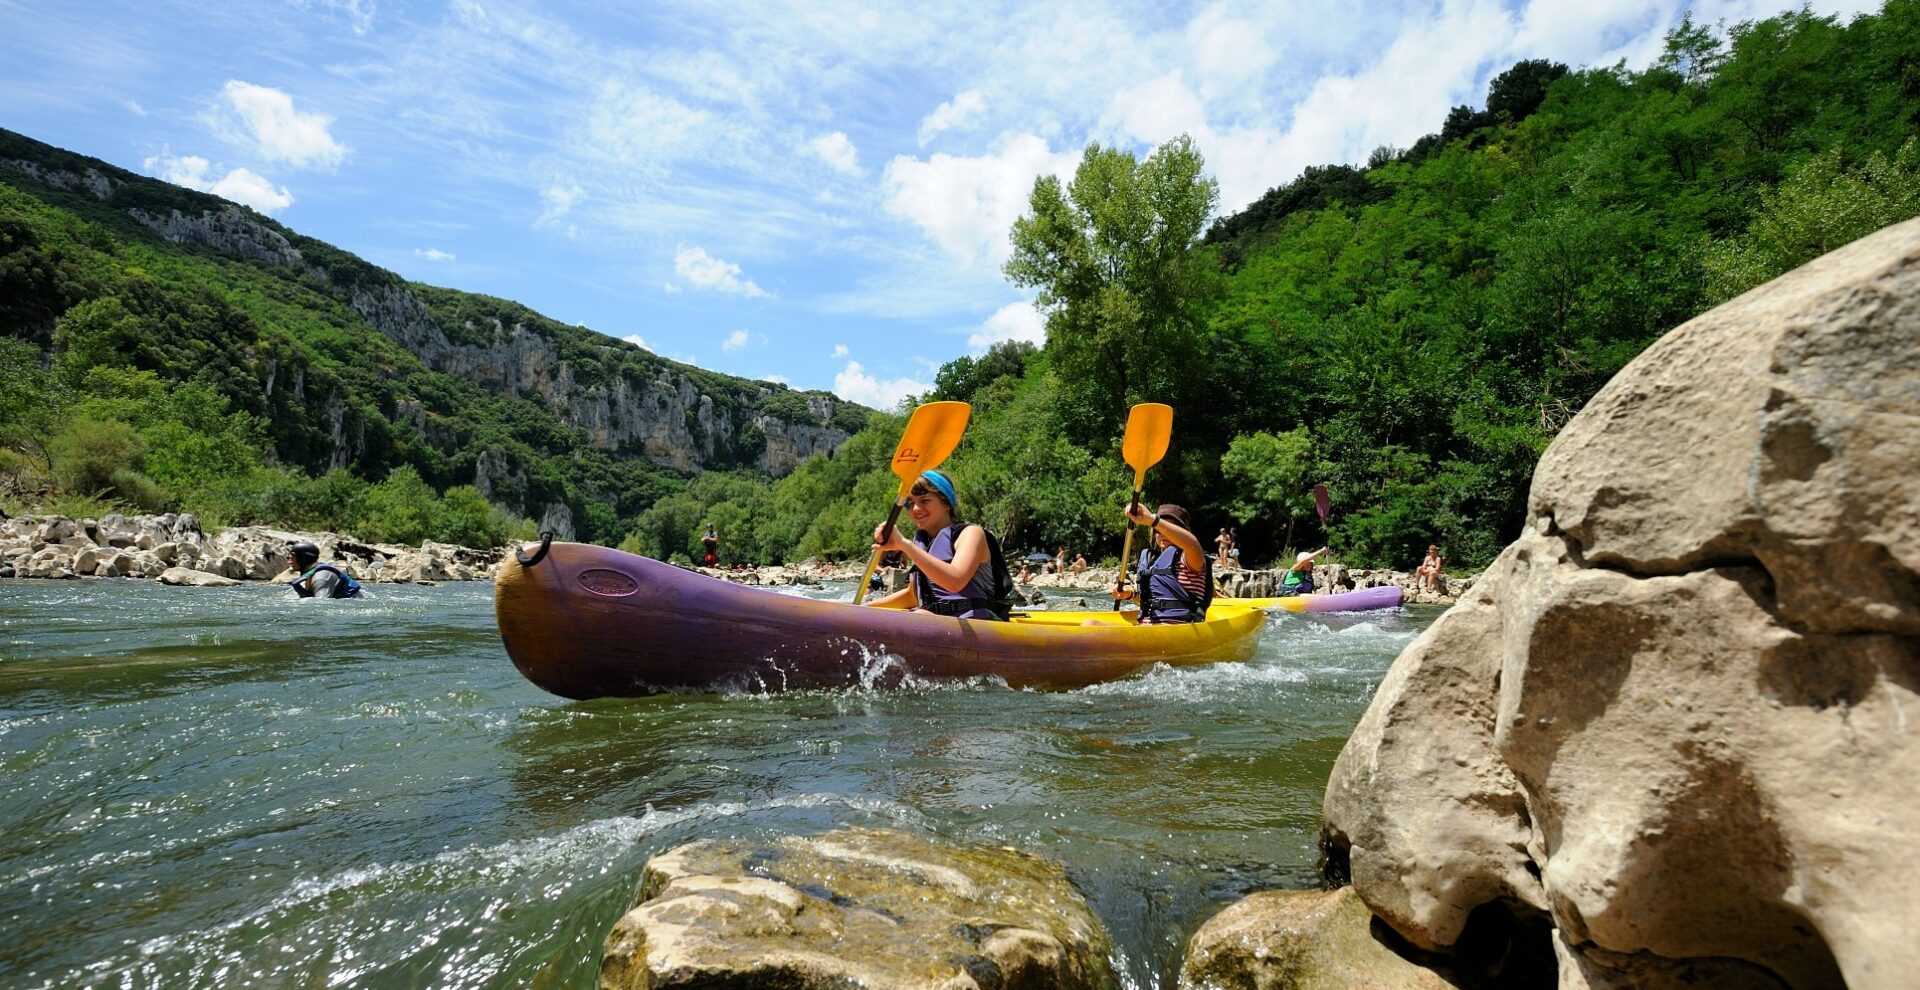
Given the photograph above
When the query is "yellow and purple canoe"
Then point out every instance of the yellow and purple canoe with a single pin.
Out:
(1358, 600)
(585, 621)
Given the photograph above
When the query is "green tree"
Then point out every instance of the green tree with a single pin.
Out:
(87, 451)
(1822, 205)
(1268, 476)
(401, 509)
(1113, 257)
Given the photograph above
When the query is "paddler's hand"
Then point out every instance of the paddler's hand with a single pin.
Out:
(1138, 515)
(893, 540)
(1122, 596)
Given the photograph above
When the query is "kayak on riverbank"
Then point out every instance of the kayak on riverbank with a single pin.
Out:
(584, 621)
(1361, 600)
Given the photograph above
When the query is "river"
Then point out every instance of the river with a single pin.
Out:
(222, 788)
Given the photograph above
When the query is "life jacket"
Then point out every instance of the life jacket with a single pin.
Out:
(987, 596)
(1297, 582)
(347, 587)
(1163, 598)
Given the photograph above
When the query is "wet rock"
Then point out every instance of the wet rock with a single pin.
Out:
(857, 907)
(1674, 716)
(1298, 940)
(195, 579)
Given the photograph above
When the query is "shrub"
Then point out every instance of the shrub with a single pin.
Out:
(87, 451)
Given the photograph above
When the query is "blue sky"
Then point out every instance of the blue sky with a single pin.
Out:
(814, 192)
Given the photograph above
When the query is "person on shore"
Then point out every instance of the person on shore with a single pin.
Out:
(1079, 563)
(958, 567)
(1299, 578)
(1175, 572)
(319, 580)
(1429, 570)
(1222, 544)
(711, 543)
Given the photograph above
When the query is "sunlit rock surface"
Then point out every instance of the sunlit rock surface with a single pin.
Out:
(1297, 940)
(1681, 714)
(857, 907)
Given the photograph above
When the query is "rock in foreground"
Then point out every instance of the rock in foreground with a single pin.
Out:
(858, 907)
(1676, 717)
(1298, 940)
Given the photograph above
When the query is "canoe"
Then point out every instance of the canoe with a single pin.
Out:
(585, 621)
(1359, 600)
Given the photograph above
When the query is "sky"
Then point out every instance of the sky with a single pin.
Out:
(816, 192)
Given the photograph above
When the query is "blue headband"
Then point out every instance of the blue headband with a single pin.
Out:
(942, 485)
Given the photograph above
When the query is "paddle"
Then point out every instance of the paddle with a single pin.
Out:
(1321, 504)
(932, 432)
(1149, 427)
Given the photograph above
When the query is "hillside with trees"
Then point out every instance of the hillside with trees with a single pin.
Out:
(165, 349)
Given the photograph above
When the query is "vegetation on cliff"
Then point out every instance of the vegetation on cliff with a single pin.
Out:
(166, 349)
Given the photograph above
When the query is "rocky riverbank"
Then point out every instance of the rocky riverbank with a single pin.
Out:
(173, 549)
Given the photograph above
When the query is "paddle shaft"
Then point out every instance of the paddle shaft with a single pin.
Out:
(1126, 551)
(886, 530)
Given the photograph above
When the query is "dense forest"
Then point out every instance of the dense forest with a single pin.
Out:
(1411, 332)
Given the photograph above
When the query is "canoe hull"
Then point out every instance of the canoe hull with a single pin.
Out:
(589, 622)
(1360, 600)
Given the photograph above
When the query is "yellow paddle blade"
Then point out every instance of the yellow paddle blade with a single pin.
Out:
(1149, 427)
(932, 433)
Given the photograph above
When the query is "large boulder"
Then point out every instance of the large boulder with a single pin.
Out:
(1674, 716)
(871, 908)
(1298, 940)
(195, 579)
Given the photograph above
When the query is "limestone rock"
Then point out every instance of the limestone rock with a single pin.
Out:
(1298, 940)
(1681, 699)
(857, 907)
(196, 579)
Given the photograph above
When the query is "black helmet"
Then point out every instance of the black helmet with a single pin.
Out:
(304, 551)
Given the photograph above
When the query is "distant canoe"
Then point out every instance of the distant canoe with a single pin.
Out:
(587, 622)
(1362, 600)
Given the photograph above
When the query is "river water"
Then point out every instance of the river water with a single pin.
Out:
(223, 788)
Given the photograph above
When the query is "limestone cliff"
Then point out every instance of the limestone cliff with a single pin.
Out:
(622, 399)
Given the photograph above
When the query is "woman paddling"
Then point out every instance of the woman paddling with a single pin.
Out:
(958, 568)
(1175, 571)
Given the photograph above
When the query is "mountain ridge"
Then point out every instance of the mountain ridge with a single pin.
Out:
(612, 396)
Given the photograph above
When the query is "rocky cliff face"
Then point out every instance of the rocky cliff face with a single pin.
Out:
(665, 418)
(1675, 719)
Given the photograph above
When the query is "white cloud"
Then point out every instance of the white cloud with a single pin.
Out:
(958, 112)
(183, 170)
(636, 340)
(670, 288)
(276, 130)
(837, 151)
(241, 185)
(134, 107)
(839, 350)
(734, 341)
(249, 189)
(853, 384)
(1014, 321)
(968, 204)
(434, 254)
(557, 200)
(777, 379)
(704, 271)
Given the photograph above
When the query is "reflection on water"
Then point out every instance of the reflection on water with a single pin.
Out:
(229, 787)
